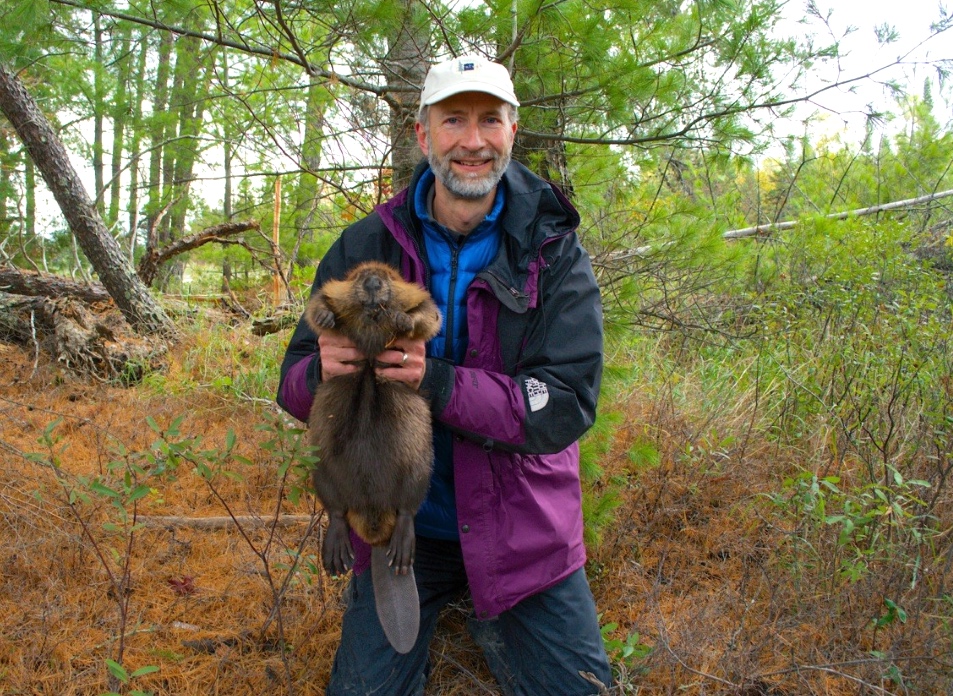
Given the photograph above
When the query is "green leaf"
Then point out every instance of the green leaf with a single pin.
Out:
(175, 428)
(139, 492)
(103, 489)
(148, 669)
(29, 15)
(118, 671)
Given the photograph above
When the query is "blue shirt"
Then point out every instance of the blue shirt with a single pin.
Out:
(454, 261)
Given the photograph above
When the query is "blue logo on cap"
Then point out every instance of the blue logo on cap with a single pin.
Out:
(468, 66)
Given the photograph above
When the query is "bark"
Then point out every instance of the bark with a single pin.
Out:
(545, 156)
(6, 169)
(308, 186)
(308, 191)
(405, 67)
(227, 140)
(103, 252)
(29, 223)
(157, 135)
(274, 323)
(189, 102)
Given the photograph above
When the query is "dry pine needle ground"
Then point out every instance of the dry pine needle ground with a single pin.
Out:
(724, 593)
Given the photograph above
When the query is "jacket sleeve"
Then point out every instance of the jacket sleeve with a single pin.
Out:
(301, 366)
(548, 399)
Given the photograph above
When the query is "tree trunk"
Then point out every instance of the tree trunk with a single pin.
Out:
(120, 116)
(136, 140)
(227, 136)
(5, 170)
(189, 79)
(405, 65)
(309, 189)
(157, 137)
(127, 290)
(29, 181)
(153, 259)
(98, 94)
(189, 102)
(95, 344)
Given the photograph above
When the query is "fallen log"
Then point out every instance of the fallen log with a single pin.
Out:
(100, 344)
(34, 284)
(223, 522)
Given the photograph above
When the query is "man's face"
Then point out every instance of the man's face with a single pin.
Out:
(468, 140)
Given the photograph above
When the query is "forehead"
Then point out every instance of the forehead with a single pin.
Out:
(471, 102)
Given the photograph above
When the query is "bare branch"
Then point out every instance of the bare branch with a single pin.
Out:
(154, 258)
(859, 212)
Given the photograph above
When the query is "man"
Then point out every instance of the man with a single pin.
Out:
(513, 380)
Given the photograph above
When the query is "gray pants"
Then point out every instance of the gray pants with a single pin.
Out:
(537, 648)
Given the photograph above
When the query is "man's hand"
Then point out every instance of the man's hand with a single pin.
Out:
(339, 356)
(404, 362)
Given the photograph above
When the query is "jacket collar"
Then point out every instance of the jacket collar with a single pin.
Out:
(536, 212)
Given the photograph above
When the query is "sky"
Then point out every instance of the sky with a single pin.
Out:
(841, 110)
(838, 112)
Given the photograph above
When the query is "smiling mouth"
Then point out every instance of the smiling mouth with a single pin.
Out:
(472, 164)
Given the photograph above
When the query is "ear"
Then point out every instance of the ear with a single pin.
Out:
(421, 132)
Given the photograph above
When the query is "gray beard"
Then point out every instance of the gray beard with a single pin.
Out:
(465, 187)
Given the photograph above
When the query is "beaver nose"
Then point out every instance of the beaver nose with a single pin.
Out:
(373, 285)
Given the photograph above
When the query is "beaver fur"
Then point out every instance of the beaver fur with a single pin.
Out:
(374, 437)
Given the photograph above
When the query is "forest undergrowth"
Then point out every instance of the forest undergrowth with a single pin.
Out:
(743, 539)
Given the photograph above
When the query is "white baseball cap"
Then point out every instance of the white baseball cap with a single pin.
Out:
(467, 74)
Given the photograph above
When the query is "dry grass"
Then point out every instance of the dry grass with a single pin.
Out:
(733, 595)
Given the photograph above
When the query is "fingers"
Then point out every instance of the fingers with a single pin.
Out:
(404, 362)
(339, 356)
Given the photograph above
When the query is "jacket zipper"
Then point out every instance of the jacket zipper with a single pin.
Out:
(451, 301)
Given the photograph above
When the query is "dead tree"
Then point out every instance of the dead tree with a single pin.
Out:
(49, 155)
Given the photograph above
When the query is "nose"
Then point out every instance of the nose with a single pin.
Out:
(373, 285)
(473, 137)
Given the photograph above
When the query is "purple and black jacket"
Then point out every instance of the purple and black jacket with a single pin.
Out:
(525, 393)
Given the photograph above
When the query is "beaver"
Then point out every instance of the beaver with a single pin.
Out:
(374, 437)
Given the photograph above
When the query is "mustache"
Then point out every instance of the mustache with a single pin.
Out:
(472, 154)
